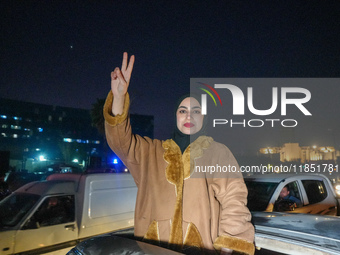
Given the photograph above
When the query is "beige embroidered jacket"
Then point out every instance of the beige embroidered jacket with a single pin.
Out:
(174, 207)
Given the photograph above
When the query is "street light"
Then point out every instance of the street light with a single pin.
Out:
(42, 158)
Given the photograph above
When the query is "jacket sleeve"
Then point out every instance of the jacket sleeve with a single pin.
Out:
(235, 232)
(127, 146)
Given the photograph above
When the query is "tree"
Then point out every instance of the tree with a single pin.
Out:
(97, 117)
(97, 120)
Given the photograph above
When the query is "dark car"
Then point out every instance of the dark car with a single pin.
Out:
(4, 190)
(275, 233)
(118, 242)
(15, 180)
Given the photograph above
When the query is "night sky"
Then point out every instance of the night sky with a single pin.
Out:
(62, 52)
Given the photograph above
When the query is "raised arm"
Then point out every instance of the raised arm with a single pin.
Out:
(118, 130)
(120, 79)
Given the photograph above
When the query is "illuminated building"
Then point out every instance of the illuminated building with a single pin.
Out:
(33, 132)
(294, 152)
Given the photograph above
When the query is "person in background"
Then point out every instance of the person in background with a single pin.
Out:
(285, 195)
(286, 202)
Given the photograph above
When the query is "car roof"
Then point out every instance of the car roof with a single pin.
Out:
(120, 242)
(272, 177)
(48, 187)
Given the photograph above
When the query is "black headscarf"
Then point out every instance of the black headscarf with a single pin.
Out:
(183, 140)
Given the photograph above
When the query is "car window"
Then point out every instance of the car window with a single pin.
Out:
(259, 194)
(316, 190)
(14, 207)
(294, 190)
(289, 198)
(55, 210)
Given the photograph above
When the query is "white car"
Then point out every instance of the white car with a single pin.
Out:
(315, 192)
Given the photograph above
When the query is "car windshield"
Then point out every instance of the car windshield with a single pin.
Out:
(259, 194)
(14, 207)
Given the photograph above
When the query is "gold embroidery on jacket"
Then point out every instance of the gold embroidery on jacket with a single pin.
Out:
(235, 243)
(179, 168)
(193, 237)
(152, 233)
(174, 175)
(107, 110)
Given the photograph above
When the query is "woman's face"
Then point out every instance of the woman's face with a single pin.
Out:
(189, 117)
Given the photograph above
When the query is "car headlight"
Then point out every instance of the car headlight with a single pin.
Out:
(337, 189)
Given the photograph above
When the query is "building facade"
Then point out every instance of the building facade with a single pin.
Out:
(36, 134)
(294, 152)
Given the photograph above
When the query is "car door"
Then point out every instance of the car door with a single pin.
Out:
(317, 199)
(51, 224)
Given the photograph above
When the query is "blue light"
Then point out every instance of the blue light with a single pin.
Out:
(40, 130)
(3, 116)
(115, 161)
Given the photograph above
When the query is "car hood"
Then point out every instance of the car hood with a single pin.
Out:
(284, 232)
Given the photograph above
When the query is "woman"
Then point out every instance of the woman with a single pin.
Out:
(172, 207)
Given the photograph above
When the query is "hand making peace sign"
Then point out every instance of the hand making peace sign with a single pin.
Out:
(120, 79)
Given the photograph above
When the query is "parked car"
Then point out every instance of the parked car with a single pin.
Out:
(315, 192)
(275, 233)
(54, 215)
(15, 180)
